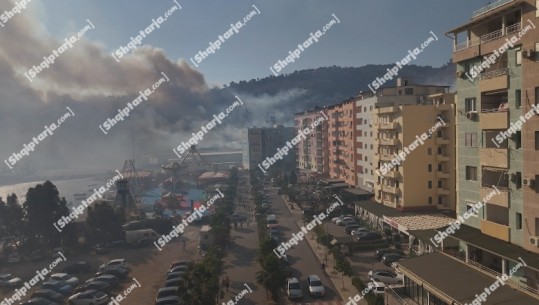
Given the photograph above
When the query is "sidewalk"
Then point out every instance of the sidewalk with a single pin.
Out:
(241, 266)
(346, 291)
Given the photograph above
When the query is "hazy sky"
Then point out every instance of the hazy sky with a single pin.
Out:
(86, 78)
(371, 31)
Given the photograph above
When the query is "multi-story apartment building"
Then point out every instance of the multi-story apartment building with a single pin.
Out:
(497, 166)
(415, 154)
(404, 93)
(313, 152)
(341, 124)
(262, 143)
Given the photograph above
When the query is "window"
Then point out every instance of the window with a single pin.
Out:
(470, 139)
(536, 95)
(519, 221)
(440, 200)
(430, 200)
(440, 167)
(440, 184)
(518, 178)
(536, 8)
(536, 184)
(518, 97)
(518, 57)
(429, 151)
(469, 209)
(471, 173)
(430, 184)
(537, 140)
(469, 104)
(430, 168)
(517, 139)
(409, 91)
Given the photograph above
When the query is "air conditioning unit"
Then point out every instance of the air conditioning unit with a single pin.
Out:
(506, 176)
(472, 115)
(526, 181)
(534, 240)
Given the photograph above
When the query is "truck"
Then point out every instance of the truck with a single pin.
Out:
(134, 236)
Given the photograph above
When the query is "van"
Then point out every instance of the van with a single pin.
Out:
(377, 287)
(271, 219)
(134, 236)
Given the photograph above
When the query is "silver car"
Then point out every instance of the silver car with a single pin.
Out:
(316, 288)
(386, 276)
(293, 289)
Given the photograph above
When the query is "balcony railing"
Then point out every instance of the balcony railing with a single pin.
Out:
(466, 44)
(492, 36)
(494, 73)
(513, 28)
(490, 7)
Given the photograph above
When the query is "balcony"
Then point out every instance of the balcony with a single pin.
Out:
(442, 158)
(495, 230)
(388, 109)
(494, 119)
(442, 141)
(494, 40)
(490, 7)
(501, 199)
(442, 175)
(494, 157)
(389, 142)
(385, 157)
(394, 174)
(442, 191)
(494, 80)
(392, 125)
(466, 50)
(391, 189)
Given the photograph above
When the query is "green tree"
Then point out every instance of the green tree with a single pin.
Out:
(11, 220)
(104, 223)
(43, 208)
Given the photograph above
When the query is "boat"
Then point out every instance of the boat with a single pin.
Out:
(80, 196)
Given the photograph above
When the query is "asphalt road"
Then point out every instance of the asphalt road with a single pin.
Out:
(301, 258)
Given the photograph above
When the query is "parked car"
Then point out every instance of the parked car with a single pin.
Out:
(66, 278)
(170, 300)
(390, 258)
(176, 275)
(49, 295)
(101, 249)
(76, 268)
(340, 221)
(181, 263)
(14, 258)
(386, 276)
(167, 292)
(368, 236)
(378, 287)
(55, 253)
(118, 244)
(37, 255)
(116, 270)
(316, 288)
(107, 278)
(8, 280)
(143, 243)
(359, 230)
(381, 252)
(175, 282)
(39, 301)
(58, 286)
(293, 289)
(179, 268)
(96, 285)
(349, 228)
(115, 262)
(89, 297)
(271, 219)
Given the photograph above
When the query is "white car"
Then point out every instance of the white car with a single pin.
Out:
(343, 220)
(293, 289)
(359, 230)
(7, 280)
(66, 278)
(89, 297)
(386, 277)
(115, 262)
(13, 258)
(316, 288)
